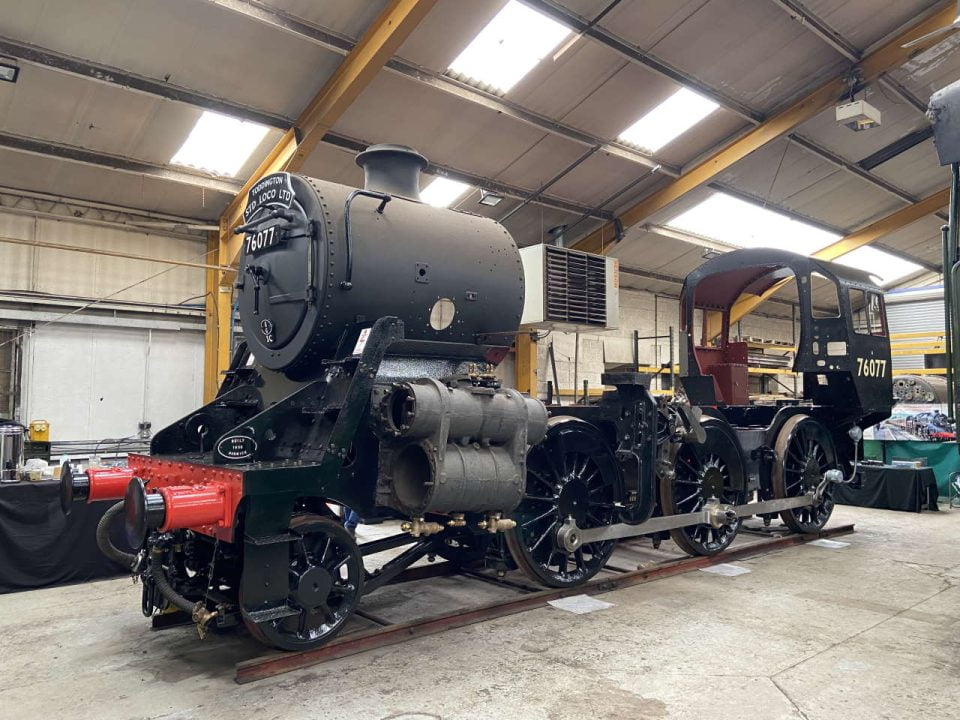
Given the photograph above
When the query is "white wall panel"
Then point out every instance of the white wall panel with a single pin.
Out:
(62, 272)
(100, 382)
(174, 383)
(16, 260)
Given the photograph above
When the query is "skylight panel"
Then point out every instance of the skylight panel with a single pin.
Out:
(743, 224)
(219, 144)
(443, 192)
(668, 120)
(888, 268)
(508, 48)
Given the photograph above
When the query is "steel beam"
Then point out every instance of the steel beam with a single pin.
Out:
(36, 55)
(819, 28)
(897, 147)
(45, 148)
(887, 56)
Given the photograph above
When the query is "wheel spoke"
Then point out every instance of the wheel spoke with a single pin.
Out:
(549, 512)
(537, 498)
(543, 537)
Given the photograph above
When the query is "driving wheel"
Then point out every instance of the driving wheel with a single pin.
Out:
(571, 474)
(804, 452)
(703, 472)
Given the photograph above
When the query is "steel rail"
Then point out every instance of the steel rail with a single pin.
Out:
(361, 641)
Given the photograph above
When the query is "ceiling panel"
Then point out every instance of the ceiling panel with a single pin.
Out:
(598, 177)
(347, 18)
(864, 22)
(932, 69)
(920, 240)
(751, 51)
(917, 170)
(172, 41)
(809, 185)
(42, 174)
(645, 23)
(541, 162)
(446, 30)
(448, 130)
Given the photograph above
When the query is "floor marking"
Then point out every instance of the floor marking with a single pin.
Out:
(580, 604)
(726, 569)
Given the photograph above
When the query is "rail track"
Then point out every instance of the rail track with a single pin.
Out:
(527, 598)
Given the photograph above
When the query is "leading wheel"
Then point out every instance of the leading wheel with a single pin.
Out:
(711, 470)
(805, 451)
(572, 473)
(326, 582)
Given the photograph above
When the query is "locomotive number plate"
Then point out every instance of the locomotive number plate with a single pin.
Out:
(264, 239)
(871, 368)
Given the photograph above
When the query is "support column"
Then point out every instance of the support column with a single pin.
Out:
(211, 326)
(225, 281)
(525, 365)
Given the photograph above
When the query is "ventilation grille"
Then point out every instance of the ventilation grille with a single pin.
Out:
(576, 287)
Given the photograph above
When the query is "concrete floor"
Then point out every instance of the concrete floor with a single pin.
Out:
(869, 631)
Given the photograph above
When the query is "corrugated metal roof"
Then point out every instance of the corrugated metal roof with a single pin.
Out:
(749, 50)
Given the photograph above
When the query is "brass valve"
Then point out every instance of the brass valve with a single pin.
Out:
(418, 527)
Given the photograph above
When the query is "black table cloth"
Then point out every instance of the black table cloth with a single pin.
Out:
(39, 547)
(891, 488)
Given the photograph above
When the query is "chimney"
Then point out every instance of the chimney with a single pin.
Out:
(392, 169)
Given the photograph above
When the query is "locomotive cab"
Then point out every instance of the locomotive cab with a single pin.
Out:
(842, 356)
(842, 353)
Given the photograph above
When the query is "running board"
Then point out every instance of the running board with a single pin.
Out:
(715, 514)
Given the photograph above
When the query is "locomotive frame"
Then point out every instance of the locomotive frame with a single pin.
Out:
(231, 514)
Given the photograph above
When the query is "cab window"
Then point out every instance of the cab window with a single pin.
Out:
(869, 317)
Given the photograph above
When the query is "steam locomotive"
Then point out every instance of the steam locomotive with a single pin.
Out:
(373, 327)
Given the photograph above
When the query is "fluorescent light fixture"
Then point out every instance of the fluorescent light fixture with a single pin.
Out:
(668, 120)
(443, 192)
(886, 267)
(742, 224)
(9, 73)
(508, 48)
(489, 198)
(219, 144)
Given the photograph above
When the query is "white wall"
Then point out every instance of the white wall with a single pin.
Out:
(648, 315)
(94, 381)
(61, 272)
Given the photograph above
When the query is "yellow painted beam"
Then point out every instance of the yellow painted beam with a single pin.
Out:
(887, 57)
(924, 371)
(358, 69)
(872, 232)
(224, 301)
(525, 364)
(904, 335)
(211, 371)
